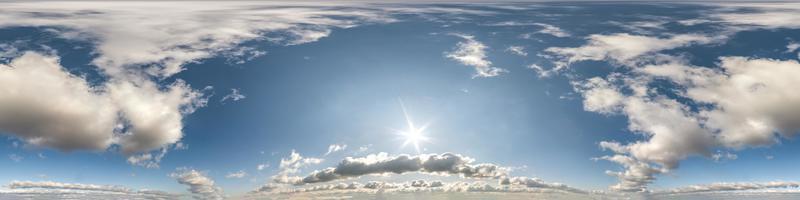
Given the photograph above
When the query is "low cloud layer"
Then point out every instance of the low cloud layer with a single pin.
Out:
(518, 185)
(29, 189)
(729, 187)
(382, 163)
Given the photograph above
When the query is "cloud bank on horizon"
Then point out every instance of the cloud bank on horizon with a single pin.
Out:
(135, 102)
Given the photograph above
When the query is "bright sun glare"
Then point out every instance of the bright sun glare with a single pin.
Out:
(412, 135)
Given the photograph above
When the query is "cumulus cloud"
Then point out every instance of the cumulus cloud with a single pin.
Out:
(235, 95)
(335, 147)
(292, 165)
(49, 107)
(46, 106)
(199, 184)
(29, 189)
(472, 53)
(382, 163)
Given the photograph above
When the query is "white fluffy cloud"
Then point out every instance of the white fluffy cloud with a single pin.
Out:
(291, 166)
(47, 106)
(472, 53)
(199, 184)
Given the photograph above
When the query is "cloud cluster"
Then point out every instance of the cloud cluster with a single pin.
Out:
(47, 106)
(744, 102)
(471, 52)
(199, 184)
(382, 163)
(66, 190)
(683, 110)
(137, 47)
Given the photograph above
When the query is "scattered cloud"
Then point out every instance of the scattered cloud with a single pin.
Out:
(335, 147)
(291, 166)
(517, 50)
(233, 96)
(792, 47)
(199, 184)
(260, 167)
(366, 147)
(238, 174)
(552, 30)
(472, 53)
(15, 157)
(623, 48)
(147, 160)
(721, 156)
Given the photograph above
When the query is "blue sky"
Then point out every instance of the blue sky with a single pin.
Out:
(262, 99)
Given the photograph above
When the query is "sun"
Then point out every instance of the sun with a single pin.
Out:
(412, 135)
